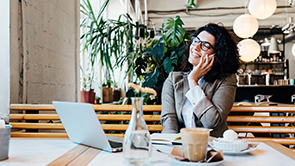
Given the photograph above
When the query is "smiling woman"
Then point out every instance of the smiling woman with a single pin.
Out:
(202, 94)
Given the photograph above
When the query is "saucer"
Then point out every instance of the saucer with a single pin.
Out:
(251, 148)
(187, 163)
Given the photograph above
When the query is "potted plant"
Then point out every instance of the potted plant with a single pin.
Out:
(105, 40)
(87, 93)
(107, 91)
(153, 64)
(97, 100)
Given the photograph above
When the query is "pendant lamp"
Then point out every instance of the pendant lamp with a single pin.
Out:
(249, 50)
(245, 26)
(262, 9)
(273, 47)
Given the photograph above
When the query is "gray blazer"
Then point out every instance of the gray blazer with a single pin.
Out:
(210, 112)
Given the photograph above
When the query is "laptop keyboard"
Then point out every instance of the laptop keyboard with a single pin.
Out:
(115, 144)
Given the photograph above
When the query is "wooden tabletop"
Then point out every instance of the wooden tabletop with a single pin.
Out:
(82, 155)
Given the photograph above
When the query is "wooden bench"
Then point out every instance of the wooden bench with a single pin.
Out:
(116, 114)
(48, 125)
(282, 122)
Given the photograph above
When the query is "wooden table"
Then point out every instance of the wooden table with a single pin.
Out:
(63, 152)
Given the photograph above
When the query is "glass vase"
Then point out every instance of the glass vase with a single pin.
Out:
(137, 145)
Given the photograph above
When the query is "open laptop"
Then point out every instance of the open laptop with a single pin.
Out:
(83, 127)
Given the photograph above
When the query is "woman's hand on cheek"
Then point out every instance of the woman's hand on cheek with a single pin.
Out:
(200, 70)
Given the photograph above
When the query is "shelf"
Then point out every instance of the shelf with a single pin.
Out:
(258, 75)
(265, 63)
(266, 85)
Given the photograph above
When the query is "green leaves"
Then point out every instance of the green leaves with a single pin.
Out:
(173, 32)
(169, 62)
(151, 78)
(158, 58)
(158, 50)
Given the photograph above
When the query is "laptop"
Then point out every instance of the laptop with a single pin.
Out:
(83, 127)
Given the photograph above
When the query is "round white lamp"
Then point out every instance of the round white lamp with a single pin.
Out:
(262, 9)
(293, 49)
(249, 50)
(245, 26)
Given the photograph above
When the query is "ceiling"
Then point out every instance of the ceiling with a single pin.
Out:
(224, 11)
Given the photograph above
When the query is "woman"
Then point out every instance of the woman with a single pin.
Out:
(202, 94)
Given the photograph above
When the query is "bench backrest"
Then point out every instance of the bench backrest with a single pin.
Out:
(44, 122)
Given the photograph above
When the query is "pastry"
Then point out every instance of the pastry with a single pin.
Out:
(230, 142)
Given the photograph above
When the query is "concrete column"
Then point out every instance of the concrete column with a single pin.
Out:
(4, 61)
(45, 51)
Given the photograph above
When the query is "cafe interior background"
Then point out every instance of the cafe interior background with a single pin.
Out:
(41, 57)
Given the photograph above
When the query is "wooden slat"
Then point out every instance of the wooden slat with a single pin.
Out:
(49, 135)
(120, 117)
(38, 135)
(48, 107)
(146, 108)
(97, 107)
(235, 108)
(117, 135)
(33, 117)
(283, 141)
(59, 126)
(262, 119)
(123, 127)
(102, 117)
(45, 126)
(259, 108)
(262, 129)
(117, 117)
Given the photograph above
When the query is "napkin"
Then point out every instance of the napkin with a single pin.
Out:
(212, 155)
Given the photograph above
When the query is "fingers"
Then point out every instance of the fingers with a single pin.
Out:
(212, 60)
(205, 60)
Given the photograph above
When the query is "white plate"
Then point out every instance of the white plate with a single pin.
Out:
(185, 163)
(250, 149)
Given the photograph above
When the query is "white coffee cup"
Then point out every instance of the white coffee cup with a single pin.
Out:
(194, 143)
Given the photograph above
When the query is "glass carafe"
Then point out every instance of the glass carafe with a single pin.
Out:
(137, 146)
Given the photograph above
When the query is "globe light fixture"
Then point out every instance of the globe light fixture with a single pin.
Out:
(249, 50)
(293, 49)
(245, 26)
(262, 9)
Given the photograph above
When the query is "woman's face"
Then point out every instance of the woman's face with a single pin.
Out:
(202, 45)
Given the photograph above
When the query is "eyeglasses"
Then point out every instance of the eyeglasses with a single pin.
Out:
(204, 44)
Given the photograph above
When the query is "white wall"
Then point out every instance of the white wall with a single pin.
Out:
(4, 60)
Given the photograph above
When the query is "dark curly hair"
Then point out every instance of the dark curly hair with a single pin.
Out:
(226, 59)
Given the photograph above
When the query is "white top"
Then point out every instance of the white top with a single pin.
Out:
(264, 155)
(36, 152)
(193, 96)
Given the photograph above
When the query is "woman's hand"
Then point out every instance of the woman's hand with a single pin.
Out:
(200, 70)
